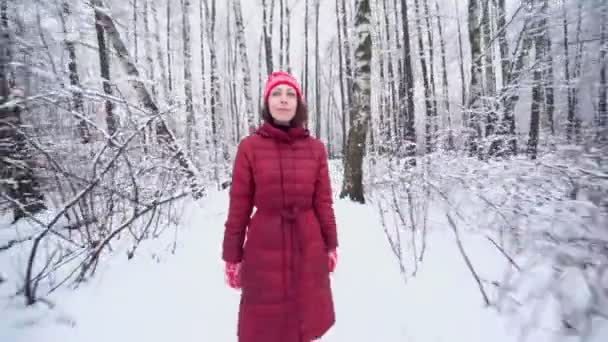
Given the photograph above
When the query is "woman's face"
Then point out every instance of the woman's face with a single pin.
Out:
(282, 103)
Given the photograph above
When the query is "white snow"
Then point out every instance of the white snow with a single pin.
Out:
(159, 296)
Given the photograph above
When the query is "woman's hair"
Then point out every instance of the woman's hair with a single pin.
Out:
(299, 120)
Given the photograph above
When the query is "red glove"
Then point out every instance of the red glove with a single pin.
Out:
(233, 275)
(333, 259)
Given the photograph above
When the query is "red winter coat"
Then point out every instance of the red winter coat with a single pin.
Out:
(286, 294)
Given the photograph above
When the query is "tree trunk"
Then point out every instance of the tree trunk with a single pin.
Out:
(578, 60)
(165, 136)
(503, 43)
(399, 98)
(548, 76)
(353, 170)
(135, 43)
(389, 80)
(490, 75)
(267, 37)
(217, 123)
(341, 74)
(603, 91)
(150, 77)
(428, 104)
(68, 28)
(240, 36)
(148, 48)
(463, 91)
(281, 34)
(190, 118)
(475, 90)
(431, 49)
(348, 63)
(317, 74)
(510, 93)
(510, 88)
(204, 95)
(444, 79)
(572, 120)
(231, 65)
(287, 38)
(5, 52)
(16, 169)
(406, 91)
(159, 55)
(539, 50)
(104, 63)
(169, 38)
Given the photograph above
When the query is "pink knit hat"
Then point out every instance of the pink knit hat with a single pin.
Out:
(281, 77)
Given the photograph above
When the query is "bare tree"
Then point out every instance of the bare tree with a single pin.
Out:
(104, 64)
(67, 24)
(573, 126)
(406, 91)
(548, 77)
(341, 71)
(240, 36)
(190, 118)
(444, 80)
(431, 49)
(168, 38)
(490, 75)
(18, 183)
(603, 91)
(348, 72)
(353, 169)
(159, 54)
(165, 136)
(539, 57)
(428, 102)
(463, 92)
(267, 36)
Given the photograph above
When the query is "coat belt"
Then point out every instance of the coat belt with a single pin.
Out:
(289, 213)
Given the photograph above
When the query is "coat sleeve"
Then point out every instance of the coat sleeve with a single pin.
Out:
(323, 202)
(240, 205)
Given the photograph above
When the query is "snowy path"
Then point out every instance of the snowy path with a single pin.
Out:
(183, 297)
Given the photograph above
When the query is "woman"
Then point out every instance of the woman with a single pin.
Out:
(281, 257)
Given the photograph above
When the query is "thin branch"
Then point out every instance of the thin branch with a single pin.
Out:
(468, 262)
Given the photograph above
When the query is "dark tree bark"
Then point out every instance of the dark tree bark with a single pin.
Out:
(603, 91)
(19, 183)
(66, 21)
(353, 169)
(341, 73)
(267, 37)
(474, 107)
(428, 103)
(539, 50)
(444, 80)
(104, 63)
(407, 90)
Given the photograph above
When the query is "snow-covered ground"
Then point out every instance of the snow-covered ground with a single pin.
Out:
(159, 296)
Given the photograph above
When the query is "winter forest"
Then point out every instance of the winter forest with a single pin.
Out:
(474, 126)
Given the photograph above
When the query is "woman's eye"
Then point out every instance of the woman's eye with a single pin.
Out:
(291, 94)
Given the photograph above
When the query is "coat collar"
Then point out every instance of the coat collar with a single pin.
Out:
(294, 133)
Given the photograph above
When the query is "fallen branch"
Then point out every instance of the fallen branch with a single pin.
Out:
(12, 243)
(504, 253)
(466, 259)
